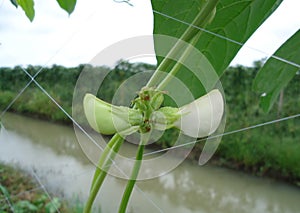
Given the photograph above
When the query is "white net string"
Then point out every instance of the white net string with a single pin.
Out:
(228, 39)
(71, 118)
(226, 133)
(44, 188)
(162, 150)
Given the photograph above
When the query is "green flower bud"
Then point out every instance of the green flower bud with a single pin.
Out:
(108, 119)
(165, 118)
(157, 100)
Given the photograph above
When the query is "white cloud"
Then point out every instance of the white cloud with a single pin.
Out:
(281, 25)
(56, 38)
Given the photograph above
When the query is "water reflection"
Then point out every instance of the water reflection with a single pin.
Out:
(53, 152)
(208, 189)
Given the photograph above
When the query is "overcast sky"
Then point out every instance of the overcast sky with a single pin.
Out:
(56, 38)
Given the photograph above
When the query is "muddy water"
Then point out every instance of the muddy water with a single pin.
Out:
(52, 152)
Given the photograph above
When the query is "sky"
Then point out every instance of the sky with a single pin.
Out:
(54, 37)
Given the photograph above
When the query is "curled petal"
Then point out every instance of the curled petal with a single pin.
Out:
(201, 117)
(108, 119)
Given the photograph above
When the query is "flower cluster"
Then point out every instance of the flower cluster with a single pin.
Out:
(197, 119)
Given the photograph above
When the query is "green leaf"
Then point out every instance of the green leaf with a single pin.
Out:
(28, 7)
(14, 2)
(23, 206)
(277, 73)
(4, 191)
(53, 205)
(234, 20)
(67, 5)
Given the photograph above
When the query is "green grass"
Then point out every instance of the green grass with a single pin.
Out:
(20, 189)
(264, 152)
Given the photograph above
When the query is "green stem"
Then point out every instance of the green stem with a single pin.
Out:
(108, 148)
(190, 35)
(135, 172)
(104, 164)
(177, 66)
(201, 20)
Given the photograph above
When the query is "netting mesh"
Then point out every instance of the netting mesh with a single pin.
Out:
(7, 200)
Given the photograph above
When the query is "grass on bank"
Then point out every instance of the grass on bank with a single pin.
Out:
(19, 193)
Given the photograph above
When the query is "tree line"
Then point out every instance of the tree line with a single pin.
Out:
(271, 149)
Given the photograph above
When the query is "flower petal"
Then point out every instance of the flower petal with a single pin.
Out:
(108, 119)
(202, 117)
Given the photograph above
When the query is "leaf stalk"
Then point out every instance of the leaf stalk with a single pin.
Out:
(203, 18)
(135, 171)
(104, 164)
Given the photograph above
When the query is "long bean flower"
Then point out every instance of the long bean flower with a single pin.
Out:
(199, 118)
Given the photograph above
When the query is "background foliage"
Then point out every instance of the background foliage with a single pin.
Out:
(272, 150)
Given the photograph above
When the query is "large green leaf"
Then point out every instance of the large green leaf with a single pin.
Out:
(221, 51)
(27, 6)
(14, 2)
(276, 73)
(234, 21)
(67, 5)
